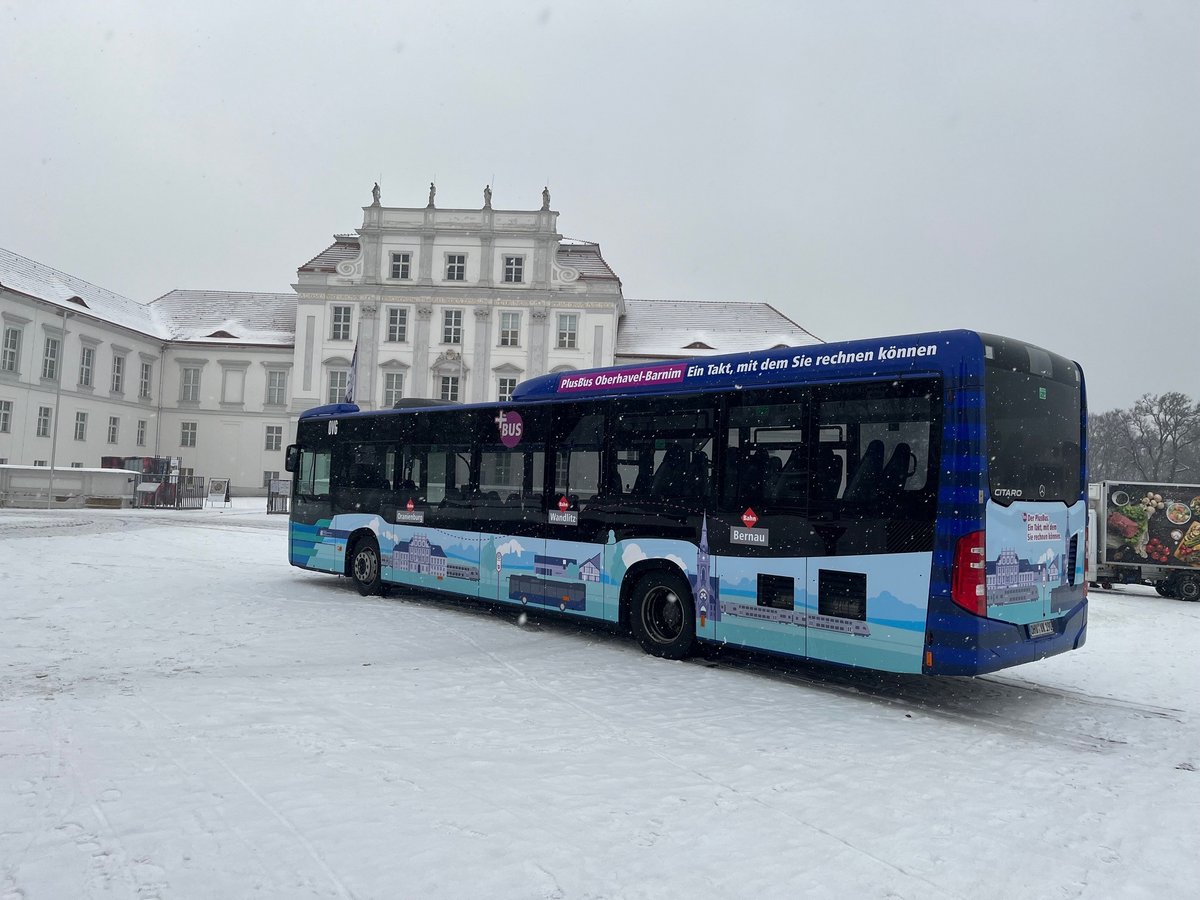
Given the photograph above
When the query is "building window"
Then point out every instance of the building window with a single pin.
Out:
(276, 388)
(338, 380)
(187, 434)
(268, 477)
(10, 354)
(145, 381)
(514, 269)
(40, 462)
(141, 432)
(506, 386)
(6, 408)
(118, 375)
(81, 426)
(87, 357)
(50, 359)
(274, 437)
(397, 325)
(510, 329)
(76, 465)
(43, 421)
(568, 327)
(401, 265)
(449, 388)
(114, 429)
(190, 385)
(456, 267)
(340, 324)
(452, 326)
(393, 389)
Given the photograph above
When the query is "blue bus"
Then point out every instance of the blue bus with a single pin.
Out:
(911, 504)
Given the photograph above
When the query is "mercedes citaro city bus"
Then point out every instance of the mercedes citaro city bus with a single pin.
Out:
(907, 504)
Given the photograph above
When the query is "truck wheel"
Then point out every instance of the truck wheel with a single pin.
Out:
(1106, 585)
(1163, 588)
(1189, 588)
(662, 615)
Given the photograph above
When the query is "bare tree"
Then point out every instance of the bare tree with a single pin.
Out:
(1165, 430)
(1111, 453)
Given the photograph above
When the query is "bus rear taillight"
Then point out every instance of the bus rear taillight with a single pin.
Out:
(968, 581)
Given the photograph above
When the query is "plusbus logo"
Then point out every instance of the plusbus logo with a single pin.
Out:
(1007, 492)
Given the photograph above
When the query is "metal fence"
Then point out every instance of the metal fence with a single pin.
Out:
(279, 492)
(170, 492)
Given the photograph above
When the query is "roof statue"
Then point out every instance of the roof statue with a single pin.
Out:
(375, 194)
(546, 197)
(432, 192)
(487, 196)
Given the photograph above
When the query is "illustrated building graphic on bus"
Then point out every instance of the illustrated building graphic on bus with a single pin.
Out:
(1011, 579)
(421, 557)
(706, 588)
(589, 569)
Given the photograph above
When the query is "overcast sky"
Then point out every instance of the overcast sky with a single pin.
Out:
(869, 168)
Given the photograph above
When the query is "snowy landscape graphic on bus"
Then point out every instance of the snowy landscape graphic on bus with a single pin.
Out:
(910, 504)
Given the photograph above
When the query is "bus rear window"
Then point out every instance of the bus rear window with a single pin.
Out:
(1033, 414)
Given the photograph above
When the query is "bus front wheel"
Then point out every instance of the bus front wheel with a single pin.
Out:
(364, 566)
(662, 615)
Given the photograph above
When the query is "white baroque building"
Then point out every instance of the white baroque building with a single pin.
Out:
(458, 304)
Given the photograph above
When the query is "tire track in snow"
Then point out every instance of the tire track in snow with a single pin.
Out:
(338, 885)
(622, 734)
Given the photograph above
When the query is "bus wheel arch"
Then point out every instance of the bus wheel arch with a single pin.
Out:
(657, 604)
(364, 565)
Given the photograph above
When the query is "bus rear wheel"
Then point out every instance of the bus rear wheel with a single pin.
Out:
(662, 615)
(364, 566)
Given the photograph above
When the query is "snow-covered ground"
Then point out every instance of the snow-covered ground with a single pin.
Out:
(183, 715)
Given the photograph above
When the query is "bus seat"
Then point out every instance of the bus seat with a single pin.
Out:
(789, 488)
(797, 461)
(864, 483)
(899, 468)
(754, 476)
(827, 473)
(671, 475)
(697, 475)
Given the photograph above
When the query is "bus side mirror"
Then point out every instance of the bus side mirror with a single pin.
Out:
(292, 459)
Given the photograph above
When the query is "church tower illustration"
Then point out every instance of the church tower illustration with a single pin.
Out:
(705, 588)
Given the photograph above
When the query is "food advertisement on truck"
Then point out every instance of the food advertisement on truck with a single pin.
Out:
(1152, 524)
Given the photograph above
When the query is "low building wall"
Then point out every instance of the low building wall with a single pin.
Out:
(28, 487)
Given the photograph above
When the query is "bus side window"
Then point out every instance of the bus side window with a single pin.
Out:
(578, 440)
(766, 454)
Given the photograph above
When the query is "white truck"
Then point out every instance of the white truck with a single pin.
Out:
(1144, 533)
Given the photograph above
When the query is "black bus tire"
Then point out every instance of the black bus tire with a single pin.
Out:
(365, 569)
(662, 615)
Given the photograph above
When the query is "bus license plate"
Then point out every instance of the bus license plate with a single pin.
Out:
(1041, 629)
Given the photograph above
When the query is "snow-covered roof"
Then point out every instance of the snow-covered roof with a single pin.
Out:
(344, 247)
(223, 317)
(673, 328)
(25, 276)
(585, 258)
